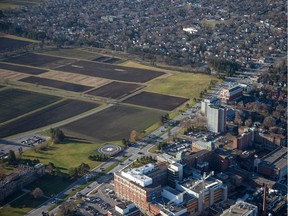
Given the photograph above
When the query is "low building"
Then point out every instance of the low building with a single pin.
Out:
(199, 145)
(273, 165)
(125, 209)
(269, 141)
(231, 94)
(195, 158)
(242, 209)
(24, 175)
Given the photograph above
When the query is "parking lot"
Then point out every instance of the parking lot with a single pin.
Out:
(99, 202)
(21, 143)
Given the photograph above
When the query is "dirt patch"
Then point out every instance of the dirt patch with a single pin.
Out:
(114, 123)
(76, 78)
(37, 60)
(114, 72)
(47, 116)
(15, 102)
(9, 75)
(8, 44)
(22, 69)
(56, 84)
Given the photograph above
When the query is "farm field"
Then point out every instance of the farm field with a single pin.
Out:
(113, 72)
(75, 78)
(106, 59)
(8, 44)
(158, 101)
(22, 69)
(11, 75)
(55, 113)
(71, 53)
(16, 102)
(113, 123)
(56, 84)
(37, 60)
(188, 85)
(115, 90)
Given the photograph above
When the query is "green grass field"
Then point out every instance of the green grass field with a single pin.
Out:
(15, 102)
(187, 85)
(7, 5)
(67, 155)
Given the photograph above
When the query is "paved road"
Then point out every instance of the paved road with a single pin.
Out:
(161, 132)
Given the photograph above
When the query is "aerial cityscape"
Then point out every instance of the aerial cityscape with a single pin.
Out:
(143, 107)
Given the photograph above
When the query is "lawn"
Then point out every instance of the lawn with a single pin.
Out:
(188, 85)
(64, 156)
(48, 184)
(7, 5)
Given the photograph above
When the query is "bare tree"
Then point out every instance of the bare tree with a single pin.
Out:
(134, 136)
(37, 193)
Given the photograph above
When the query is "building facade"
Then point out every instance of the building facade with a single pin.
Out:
(230, 94)
(216, 118)
(206, 102)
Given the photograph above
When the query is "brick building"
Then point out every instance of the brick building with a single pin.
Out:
(19, 179)
(230, 94)
(244, 140)
(273, 165)
(141, 185)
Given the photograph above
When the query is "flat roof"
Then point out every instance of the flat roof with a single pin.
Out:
(233, 88)
(276, 158)
(216, 106)
(241, 208)
(172, 190)
(207, 183)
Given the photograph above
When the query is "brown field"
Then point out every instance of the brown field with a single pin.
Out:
(8, 44)
(50, 115)
(38, 60)
(114, 72)
(76, 78)
(22, 69)
(106, 59)
(158, 101)
(9, 75)
(116, 90)
(56, 84)
(113, 123)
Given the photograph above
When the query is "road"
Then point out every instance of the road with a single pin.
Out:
(161, 133)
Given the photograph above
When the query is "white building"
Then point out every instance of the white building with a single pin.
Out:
(216, 118)
(206, 102)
